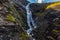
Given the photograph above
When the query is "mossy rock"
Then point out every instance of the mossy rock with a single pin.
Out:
(10, 17)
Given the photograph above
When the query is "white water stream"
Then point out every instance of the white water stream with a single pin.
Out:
(30, 21)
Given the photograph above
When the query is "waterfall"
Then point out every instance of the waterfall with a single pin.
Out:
(30, 20)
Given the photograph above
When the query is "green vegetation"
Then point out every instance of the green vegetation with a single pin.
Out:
(24, 36)
(10, 17)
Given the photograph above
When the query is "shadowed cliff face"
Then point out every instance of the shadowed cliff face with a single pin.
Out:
(44, 20)
(38, 12)
(38, 16)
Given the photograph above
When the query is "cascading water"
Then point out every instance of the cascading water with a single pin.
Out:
(30, 20)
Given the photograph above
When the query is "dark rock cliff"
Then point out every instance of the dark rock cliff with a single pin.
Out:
(38, 14)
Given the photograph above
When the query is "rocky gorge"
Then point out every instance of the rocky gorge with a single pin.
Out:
(31, 21)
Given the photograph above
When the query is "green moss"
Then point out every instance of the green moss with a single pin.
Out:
(24, 36)
(56, 31)
(11, 34)
(10, 17)
(40, 14)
